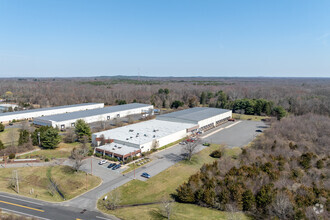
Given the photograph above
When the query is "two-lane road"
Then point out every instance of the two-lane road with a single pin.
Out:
(44, 210)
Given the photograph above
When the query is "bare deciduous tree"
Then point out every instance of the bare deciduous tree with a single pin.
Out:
(78, 155)
(167, 206)
(189, 149)
(282, 207)
(70, 135)
(113, 200)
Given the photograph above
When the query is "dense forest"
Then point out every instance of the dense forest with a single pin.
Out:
(284, 174)
(296, 95)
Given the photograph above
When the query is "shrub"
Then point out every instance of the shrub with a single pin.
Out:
(98, 155)
(46, 159)
(319, 164)
(216, 154)
(11, 156)
(1, 145)
(305, 160)
(2, 127)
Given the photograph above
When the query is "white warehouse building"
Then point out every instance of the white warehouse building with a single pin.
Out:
(206, 118)
(137, 138)
(141, 137)
(63, 121)
(33, 113)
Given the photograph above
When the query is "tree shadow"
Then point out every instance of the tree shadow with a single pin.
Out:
(67, 170)
(156, 214)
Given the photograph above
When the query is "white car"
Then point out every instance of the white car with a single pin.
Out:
(102, 162)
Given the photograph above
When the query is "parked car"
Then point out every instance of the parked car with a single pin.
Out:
(111, 165)
(102, 162)
(190, 140)
(258, 130)
(183, 143)
(116, 167)
(231, 119)
(146, 175)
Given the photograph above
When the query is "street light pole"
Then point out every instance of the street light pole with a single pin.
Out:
(39, 138)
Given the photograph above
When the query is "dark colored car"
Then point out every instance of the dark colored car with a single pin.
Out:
(116, 167)
(111, 165)
(258, 130)
(146, 175)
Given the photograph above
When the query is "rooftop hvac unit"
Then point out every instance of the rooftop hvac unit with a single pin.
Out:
(145, 135)
(154, 136)
(115, 145)
(119, 147)
(131, 130)
(113, 148)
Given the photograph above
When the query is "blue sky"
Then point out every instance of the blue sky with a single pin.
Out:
(165, 38)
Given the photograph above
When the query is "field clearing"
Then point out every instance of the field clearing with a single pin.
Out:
(166, 183)
(9, 135)
(249, 117)
(180, 211)
(70, 183)
(63, 151)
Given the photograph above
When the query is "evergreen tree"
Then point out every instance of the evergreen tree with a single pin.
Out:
(50, 139)
(203, 98)
(2, 127)
(82, 129)
(24, 137)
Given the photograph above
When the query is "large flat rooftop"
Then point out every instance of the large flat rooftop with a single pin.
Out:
(144, 132)
(47, 109)
(92, 112)
(194, 114)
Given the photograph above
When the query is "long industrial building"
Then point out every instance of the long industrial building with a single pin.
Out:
(33, 113)
(206, 118)
(137, 138)
(67, 120)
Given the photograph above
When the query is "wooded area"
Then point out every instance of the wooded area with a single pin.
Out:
(296, 95)
(285, 173)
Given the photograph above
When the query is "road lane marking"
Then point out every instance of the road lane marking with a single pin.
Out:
(9, 203)
(21, 200)
(24, 214)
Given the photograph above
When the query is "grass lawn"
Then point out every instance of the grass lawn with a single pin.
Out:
(249, 117)
(63, 151)
(180, 211)
(9, 135)
(70, 183)
(165, 183)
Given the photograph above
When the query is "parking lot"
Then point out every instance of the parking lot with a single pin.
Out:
(238, 135)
